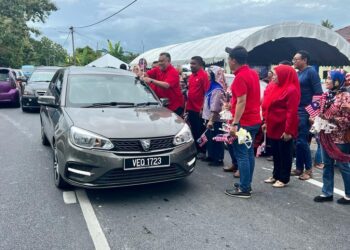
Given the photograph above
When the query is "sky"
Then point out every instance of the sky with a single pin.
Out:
(150, 24)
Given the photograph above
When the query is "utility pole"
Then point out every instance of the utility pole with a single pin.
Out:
(72, 30)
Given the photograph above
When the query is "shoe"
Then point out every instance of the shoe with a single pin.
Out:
(216, 163)
(270, 158)
(279, 184)
(236, 185)
(296, 172)
(270, 180)
(207, 159)
(322, 198)
(319, 166)
(306, 175)
(237, 193)
(231, 168)
(236, 174)
(343, 201)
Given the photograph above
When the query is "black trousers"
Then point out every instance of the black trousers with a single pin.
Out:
(282, 152)
(197, 127)
(216, 150)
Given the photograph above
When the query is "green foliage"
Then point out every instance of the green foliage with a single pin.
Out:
(326, 23)
(16, 44)
(85, 55)
(117, 51)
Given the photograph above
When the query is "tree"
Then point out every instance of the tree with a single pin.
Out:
(326, 23)
(117, 51)
(86, 55)
(15, 35)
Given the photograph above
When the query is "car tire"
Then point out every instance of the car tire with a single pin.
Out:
(44, 139)
(59, 182)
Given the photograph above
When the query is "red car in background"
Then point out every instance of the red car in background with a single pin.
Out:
(9, 92)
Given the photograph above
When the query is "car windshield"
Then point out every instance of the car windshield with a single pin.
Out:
(41, 76)
(4, 75)
(86, 90)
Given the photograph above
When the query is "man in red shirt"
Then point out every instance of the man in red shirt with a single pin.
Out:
(198, 84)
(245, 108)
(165, 82)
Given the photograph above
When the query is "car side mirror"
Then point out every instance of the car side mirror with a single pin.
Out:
(165, 102)
(48, 100)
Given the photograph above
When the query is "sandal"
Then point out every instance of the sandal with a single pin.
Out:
(270, 180)
(279, 184)
(306, 175)
(319, 166)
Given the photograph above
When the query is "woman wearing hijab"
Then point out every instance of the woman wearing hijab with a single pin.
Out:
(214, 99)
(281, 121)
(335, 145)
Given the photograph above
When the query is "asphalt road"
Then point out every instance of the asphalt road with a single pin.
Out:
(193, 213)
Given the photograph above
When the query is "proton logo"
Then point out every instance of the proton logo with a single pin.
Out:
(146, 144)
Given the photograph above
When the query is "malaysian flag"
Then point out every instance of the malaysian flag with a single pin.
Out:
(203, 139)
(313, 109)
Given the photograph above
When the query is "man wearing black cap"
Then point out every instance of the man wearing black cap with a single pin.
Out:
(245, 108)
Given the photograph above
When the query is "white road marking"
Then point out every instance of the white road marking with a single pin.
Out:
(219, 175)
(92, 223)
(69, 197)
(320, 184)
(317, 183)
(17, 125)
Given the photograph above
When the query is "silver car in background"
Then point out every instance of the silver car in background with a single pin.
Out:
(107, 129)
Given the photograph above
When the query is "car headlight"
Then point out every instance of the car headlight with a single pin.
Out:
(28, 92)
(86, 139)
(184, 136)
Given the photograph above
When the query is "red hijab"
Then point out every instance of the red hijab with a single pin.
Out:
(287, 77)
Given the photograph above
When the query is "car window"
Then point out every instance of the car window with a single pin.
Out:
(59, 82)
(41, 76)
(88, 89)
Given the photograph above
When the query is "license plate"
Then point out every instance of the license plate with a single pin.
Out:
(146, 162)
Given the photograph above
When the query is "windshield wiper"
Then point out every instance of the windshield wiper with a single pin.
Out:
(146, 104)
(109, 104)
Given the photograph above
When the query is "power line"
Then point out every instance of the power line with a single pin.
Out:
(87, 26)
(64, 43)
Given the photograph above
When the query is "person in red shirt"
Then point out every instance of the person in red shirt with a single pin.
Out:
(245, 108)
(165, 82)
(281, 121)
(198, 84)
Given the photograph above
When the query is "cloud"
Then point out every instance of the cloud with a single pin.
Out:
(156, 23)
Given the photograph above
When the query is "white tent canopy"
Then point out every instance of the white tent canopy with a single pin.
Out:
(106, 61)
(265, 44)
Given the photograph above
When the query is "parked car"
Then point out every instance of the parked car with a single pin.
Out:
(107, 129)
(9, 92)
(36, 86)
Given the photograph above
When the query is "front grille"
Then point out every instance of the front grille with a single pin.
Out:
(40, 92)
(134, 145)
(129, 177)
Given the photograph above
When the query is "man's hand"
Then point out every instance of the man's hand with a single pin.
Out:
(146, 79)
(263, 127)
(233, 130)
(286, 137)
(210, 124)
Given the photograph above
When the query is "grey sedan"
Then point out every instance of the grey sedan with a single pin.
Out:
(107, 129)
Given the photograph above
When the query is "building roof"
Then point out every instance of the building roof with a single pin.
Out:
(345, 32)
(265, 44)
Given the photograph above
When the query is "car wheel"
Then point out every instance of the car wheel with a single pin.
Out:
(59, 182)
(44, 139)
